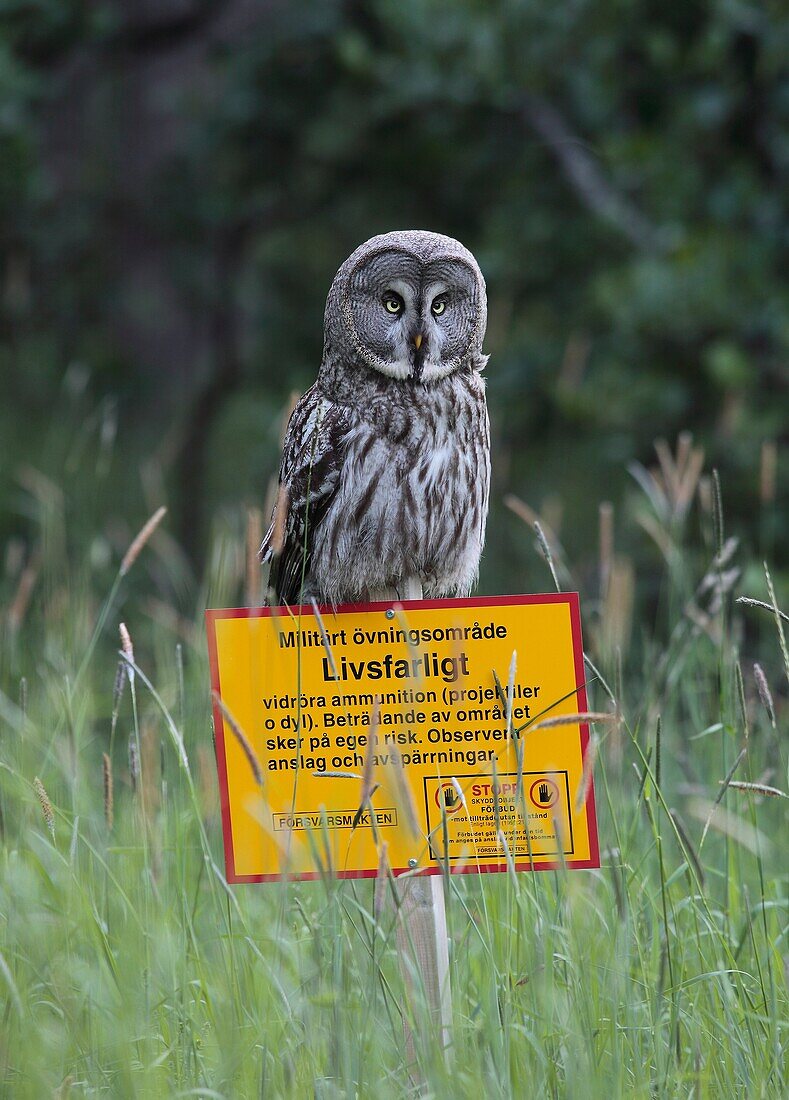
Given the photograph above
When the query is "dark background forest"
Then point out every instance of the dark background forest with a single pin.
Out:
(179, 181)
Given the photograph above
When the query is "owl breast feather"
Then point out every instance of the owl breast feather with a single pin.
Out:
(411, 495)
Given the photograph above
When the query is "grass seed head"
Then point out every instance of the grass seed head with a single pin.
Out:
(764, 691)
(137, 544)
(46, 806)
(759, 788)
(126, 642)
(574, 719)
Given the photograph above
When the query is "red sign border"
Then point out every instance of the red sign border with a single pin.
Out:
(212, 615)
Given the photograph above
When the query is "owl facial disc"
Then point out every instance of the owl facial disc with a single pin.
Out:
(410, 305)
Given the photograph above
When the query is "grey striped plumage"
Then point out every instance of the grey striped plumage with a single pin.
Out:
(386, 461)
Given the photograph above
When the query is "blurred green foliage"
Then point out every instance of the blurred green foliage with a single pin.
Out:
(179, 182)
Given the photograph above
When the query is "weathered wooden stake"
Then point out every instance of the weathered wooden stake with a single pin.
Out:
(423, 948)
(421, 930)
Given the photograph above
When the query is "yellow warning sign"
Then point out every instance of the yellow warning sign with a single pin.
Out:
(400, 723)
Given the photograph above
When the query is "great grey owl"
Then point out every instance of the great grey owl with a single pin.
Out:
(386, 466)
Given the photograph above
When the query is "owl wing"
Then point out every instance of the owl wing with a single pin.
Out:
(312, 456)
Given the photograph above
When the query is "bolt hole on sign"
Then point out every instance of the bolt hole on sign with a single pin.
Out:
(454, 732)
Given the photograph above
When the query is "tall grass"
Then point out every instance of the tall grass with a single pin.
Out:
(128, 967)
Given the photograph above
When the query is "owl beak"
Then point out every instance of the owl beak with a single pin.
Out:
(419, 357)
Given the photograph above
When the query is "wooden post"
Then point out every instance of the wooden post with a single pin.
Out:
(423, 950)
(421, 930)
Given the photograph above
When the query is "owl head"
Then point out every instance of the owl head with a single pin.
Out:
(410, 305)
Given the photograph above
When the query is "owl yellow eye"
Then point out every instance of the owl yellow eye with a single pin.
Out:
(438, 307)
(393, 303)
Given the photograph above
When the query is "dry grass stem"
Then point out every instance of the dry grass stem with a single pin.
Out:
(684, 450)
(242, 740)
(586, 777)
(525, 512)
(460, 793)
(382, 873)
(117, 689)
(548, 554)
(767, 471)
(717, 509)
(150, 748)
(165, 615)
(617, 610)
(134, 763)
(724, 786)
(403, 794)
(546, 533)
(691, 478)
(254, 539)
(369, 756)
(131, 555)
(46, 806)
(690, 851)
(324, 637)
(705, 494)
(521, 509)
(673, 485)
(24, 590)
(658, 533)
(106, 767)
(43, 488)
(552, 508)
(510, 696)
(606, 537)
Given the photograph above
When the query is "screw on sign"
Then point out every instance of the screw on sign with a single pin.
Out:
(544, 793)
(447, 796)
